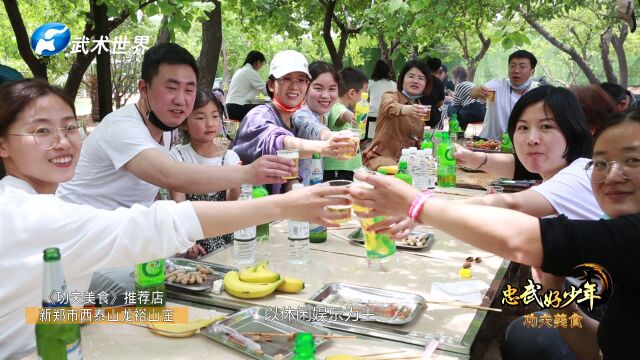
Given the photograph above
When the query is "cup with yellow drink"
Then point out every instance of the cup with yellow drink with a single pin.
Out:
(340, 209)
(291, 155)
(353, 135)
(380, 248)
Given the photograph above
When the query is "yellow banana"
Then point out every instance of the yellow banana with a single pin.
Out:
(259, 274)
(291, 285)
(238, 288)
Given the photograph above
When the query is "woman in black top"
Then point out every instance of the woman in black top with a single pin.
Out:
(556, 245)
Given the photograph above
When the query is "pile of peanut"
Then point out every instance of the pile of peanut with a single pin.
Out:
(184, 277)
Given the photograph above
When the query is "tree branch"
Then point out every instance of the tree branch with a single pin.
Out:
(37, 66)
(618, 46)
(605, 39)
(562, 46)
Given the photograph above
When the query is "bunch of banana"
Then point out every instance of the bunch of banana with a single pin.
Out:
(259, 281)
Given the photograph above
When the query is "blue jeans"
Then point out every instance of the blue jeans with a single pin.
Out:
(472, 113)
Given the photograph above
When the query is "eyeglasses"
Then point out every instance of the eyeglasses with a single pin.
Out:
(48, 137)
(629, 168)
(288, 81)
(418, 78)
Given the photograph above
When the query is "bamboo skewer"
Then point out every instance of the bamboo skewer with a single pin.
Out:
(438, 302)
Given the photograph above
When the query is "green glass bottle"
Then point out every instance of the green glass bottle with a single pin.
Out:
(402, 173)
(454, 128)
(262, 231)
(446, 163)
(56, 341)
(150, 291)
(304, 348)
(506, 144)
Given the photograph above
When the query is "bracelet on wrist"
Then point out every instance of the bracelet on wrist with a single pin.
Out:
(484, 162)
(417, 204)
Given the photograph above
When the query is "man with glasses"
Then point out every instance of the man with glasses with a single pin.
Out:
(126, 159)
(502, 94)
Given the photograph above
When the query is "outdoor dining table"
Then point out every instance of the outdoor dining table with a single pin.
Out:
(336, 260)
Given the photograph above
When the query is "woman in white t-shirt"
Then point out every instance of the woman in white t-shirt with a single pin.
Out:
(40, 144)
(381, 82)
(199, 131)
(551, 138)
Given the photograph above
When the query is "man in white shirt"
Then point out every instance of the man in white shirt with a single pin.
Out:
(506, 93)
(126, 159)
(245, 85)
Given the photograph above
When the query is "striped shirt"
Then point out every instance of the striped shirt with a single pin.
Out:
(461, 97)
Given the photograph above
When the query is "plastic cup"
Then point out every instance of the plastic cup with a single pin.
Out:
(293, 155)
(492, 96)
(427, 115)
(353, 134)
(344, 210)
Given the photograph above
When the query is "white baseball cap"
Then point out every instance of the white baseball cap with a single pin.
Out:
(286, 62)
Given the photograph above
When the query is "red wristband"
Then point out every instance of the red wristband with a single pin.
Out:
(417, 204)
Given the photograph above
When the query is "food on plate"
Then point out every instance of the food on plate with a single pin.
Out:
(186, 277)
(415, 239)
(483, 144)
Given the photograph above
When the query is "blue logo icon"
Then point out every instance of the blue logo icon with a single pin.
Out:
(50, 38)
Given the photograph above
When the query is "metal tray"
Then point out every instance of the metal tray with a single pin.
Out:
(372, 304)
(259, 319)
(190, 265)
(356, 236)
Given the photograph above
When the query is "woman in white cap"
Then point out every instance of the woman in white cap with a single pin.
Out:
(268, 128)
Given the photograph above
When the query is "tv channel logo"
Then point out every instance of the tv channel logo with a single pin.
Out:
(50, 39)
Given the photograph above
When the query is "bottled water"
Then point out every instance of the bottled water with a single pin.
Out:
(317, 232)
(412, 159)
(298, 239)
(420, 171)
(244, 240)
(404, 156)
(431, 168)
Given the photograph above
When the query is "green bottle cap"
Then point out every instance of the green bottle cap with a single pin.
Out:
(315, 156)
(304, 345)
(402, 165)
(51, 254)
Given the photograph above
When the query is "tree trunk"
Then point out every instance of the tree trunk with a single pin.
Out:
(164, 36)
(38, 66)
(329, 8)
(387, 51)
(618, 47)
(584, 66)
(226, 72)
(605, 39)
(103, 66)
(211, 44)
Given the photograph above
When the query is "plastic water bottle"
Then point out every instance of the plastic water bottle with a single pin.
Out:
(420, 171)
(56, 340)
(244, 240)
(317, 232)
(404, 156)
(262, 231)
(431, 167)
(446, 163)
(412, 159)
(304, 348)
(361, 114)
(298, 238)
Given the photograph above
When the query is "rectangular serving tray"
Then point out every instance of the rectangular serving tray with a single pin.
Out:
(374, 302)
(190, 265)
(263, 320)
(356, 236)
